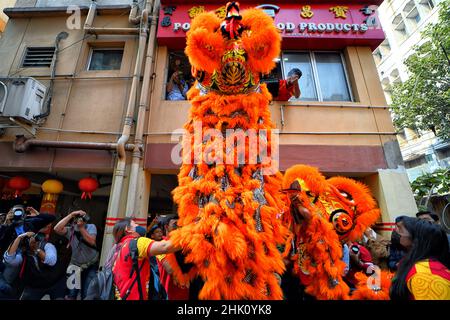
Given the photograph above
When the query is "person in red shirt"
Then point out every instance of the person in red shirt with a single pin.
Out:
(174, 290)
(124, 278)
(289, 88)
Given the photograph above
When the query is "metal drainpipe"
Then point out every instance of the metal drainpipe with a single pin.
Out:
(134, 18)
(136, 165)
(121, 163)
(90, 17)
(119, 172)
(88, 25)
(21, 144)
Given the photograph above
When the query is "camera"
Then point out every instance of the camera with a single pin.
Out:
(19, 213)
(81, 218)
(39, 237)
(355, 249)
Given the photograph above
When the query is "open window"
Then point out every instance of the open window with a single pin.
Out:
(179, 78)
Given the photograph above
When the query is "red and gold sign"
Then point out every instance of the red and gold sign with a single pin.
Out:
(51, 188)
(87, 185)
(318, 25)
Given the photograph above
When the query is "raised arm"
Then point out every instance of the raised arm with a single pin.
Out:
(60, 227)
(162, 247)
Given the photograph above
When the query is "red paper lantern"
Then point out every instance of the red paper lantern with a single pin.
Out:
(87, 185)
(19, 184)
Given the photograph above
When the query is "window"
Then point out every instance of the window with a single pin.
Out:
(429, 157)
(385, 47)
(395, 76)
(443, 153)
(429, 4)
(324, 76)
(412, 14)
(105, 59)
(177, 87)
(415, 162)
(38, 57)
(378, 55)
(306, 83)
(399, 27)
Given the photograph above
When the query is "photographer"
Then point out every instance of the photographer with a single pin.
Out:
(20, 220)
(33, 260)
(82, 238)
(360, 260)
(177, 86)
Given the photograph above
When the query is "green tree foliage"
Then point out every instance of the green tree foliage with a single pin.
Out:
(423, 101)
(439, 180)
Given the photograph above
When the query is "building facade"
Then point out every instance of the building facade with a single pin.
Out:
(403, 21)
(110, 101)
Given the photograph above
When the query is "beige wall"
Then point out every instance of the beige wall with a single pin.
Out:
(3, 17)
(82, 101)
(299, 116)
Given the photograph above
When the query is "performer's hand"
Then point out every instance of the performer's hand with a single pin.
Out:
(300, 210)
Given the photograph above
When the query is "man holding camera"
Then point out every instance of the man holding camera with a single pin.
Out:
(30, 262)
(82, 238)
(20, 220)
(360, 260)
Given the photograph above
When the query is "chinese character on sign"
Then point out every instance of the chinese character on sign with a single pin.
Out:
(169, 10)
(339, 11)
(367, 11)
(371, 21)
(166, 22)
(195, 11)
(221, 13)
(306, 12)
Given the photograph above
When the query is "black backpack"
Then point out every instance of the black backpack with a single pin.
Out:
(102, 286)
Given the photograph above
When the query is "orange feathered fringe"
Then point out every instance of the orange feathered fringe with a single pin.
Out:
(233, 248)
(366, 211)
(373, 288)
(205, 45)
(230, 215)
(264, 41)
(322, 244)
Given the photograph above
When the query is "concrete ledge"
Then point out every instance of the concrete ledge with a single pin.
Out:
(356, 161)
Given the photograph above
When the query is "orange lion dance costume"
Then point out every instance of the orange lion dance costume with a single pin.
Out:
(229, 213)
(340, 209)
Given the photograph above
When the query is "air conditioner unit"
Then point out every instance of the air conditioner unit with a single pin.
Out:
(22, 99)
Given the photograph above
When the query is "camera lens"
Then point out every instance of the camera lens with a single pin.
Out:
(18, 214)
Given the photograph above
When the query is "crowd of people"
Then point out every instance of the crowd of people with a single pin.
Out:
(40, 257)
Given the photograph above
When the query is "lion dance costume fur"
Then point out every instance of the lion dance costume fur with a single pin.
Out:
(341, 210)
(231, 215)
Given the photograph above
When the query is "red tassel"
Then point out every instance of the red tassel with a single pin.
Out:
(83, 196)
